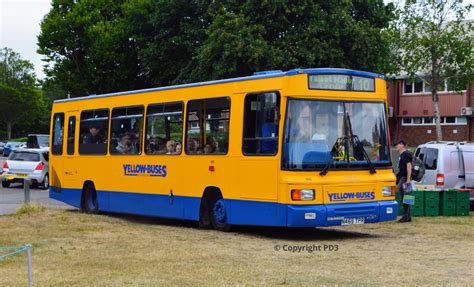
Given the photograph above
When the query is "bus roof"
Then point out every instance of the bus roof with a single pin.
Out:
(255, 76)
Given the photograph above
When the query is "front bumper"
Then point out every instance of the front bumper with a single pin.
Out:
(334, 214)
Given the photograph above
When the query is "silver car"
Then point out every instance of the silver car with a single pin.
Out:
(27, 163)
(448, 164)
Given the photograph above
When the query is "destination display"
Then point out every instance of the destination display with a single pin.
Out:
(341, 83)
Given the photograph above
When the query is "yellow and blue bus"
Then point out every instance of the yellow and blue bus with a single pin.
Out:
(302, 148)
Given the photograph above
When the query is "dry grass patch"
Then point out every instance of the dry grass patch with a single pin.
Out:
(71, 248)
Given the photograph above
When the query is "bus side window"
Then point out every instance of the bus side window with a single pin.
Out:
(93, 130)
(261, 123)
(208, 126)
(71, 132)
(126, 129)
(164, 128)
(58, 133)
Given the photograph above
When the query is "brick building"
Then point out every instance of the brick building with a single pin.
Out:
(412, 113)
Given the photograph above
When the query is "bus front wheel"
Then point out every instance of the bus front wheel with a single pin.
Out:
(219, 215)
(90, 203)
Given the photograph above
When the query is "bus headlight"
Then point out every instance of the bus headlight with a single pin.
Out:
(302, 194)
(388, 190)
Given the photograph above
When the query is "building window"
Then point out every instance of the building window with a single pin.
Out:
(418, 86)
(422, 87)
(408, 87)
(428, 121)
(450, 120)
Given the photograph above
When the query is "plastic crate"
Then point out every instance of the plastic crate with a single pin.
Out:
(462, 203)
(431, 203)
(447, 206)
(418, 209)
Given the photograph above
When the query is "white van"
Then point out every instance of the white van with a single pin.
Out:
(448, 164)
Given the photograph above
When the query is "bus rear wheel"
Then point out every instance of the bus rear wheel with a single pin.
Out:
(90, 203)
(219, 215)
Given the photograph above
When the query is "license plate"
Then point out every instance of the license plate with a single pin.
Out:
(21, 175)
(352, 221)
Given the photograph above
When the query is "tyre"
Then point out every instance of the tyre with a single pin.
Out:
(45, 183)
(5, 183)
(90, 203)
(219, 215)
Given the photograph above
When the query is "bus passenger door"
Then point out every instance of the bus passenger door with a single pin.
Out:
(258, 168)
(71, 173)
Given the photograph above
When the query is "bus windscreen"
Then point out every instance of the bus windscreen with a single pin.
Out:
(316, 133)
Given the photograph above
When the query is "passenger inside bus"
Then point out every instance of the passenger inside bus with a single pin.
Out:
(178, 148)
(214, 145)
(124, 145)
(269, 144)
(94, 136)
(192, 145)
(171, 147)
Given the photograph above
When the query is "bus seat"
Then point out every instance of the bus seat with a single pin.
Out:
(299, 153)
(314, 157)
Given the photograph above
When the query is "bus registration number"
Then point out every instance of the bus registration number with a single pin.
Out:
(352, 221)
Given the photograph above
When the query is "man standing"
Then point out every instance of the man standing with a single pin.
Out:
(404, 175)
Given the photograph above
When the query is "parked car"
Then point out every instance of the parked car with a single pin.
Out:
(37, 141)
(28, 163)
(2, 145)
(9, 147)
(448, 164)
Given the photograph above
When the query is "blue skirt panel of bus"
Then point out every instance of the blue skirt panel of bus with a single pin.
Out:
(240, 212)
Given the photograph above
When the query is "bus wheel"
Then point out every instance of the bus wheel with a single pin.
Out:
(219, 215)
(90, 203)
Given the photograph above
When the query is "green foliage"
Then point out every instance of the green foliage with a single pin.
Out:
(431, 40)
(87, 49)
(14, 71)
(103, 45)
(22, 105)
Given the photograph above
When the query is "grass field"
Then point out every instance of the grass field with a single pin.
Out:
(71, 248)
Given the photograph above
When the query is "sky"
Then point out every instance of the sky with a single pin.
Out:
(20, 25)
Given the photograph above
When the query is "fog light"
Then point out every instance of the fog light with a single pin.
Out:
(302, 194)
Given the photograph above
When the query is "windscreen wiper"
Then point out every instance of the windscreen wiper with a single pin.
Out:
(357, 144)
(334, 151)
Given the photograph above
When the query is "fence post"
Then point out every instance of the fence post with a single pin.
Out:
(26, 188)
(30, 270)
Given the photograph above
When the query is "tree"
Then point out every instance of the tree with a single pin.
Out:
(15, 71)
(98, 46)
(21, 102)
(87, 49)
(432, 41)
